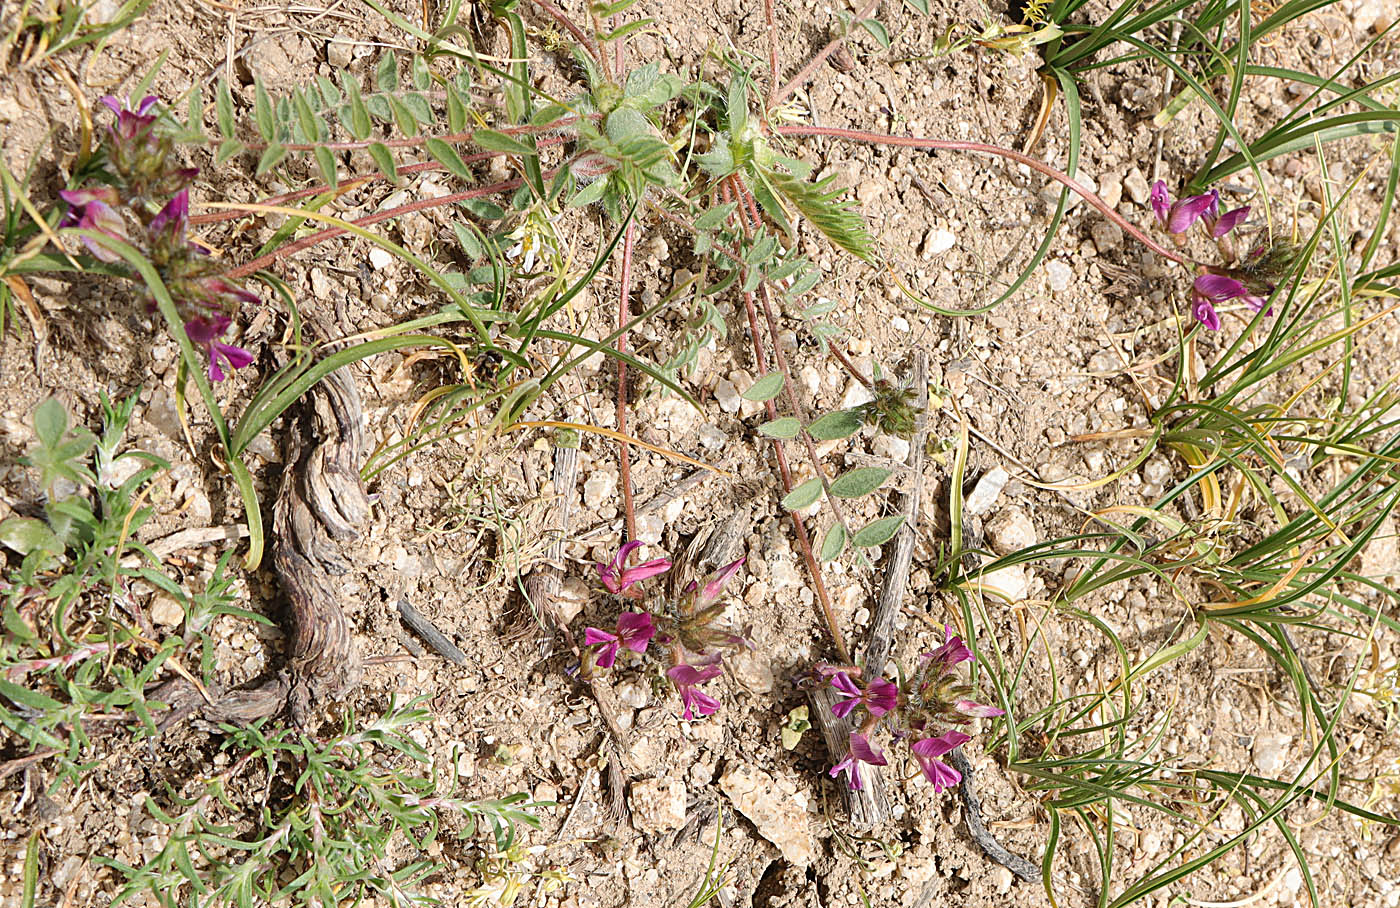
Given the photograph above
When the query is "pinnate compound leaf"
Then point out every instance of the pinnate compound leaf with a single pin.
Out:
(878, 532)
(858, 482)
(766, 388)
(803, 495)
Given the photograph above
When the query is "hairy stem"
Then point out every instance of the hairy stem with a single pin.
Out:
(805, 73)
(833, 629)
(415, 141)
(1064, 179)
(624, 454)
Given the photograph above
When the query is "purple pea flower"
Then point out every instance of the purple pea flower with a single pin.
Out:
(170, 222)
(205, 332)
(688, 679)
(953, 651)
(977, 710)
(1161, 201)
(1228, 221)
(634, 631)
(131, 122)
(92, 210)
(935, 770)
(880, 697)
(1209, 290)
(618, 578)
(1191, 209)
(860, 752)
(711, 591)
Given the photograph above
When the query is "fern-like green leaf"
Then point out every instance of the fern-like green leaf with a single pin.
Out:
(834, 216)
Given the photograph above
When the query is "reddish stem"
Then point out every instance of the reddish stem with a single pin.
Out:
(214, 217)
(582, 37)
(623, 316)
(833, 629)
(982, 148)
(805, 73)
(263, 261)
(772, 46)
(416, 141)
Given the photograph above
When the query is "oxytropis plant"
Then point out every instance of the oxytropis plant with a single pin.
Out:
(137, 195)
(925, 709)
(1251, 279)
(689, 631)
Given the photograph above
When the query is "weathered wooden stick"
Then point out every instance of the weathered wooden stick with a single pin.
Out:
(868, 806)
(420, 625)
(877, 651)
(321, 504)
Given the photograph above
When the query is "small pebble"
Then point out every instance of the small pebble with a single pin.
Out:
(380, 258)
(938, 241)
(985, 493)
(1059, 275)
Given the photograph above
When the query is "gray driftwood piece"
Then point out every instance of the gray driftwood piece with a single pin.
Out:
(868, 805)
(320, 506)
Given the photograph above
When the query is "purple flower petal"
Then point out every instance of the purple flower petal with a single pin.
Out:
(1229, 221)
(881, 697)
(953, 651)
(1161, 200)
(1189, 210)
(927, 753)
(172, 217)
(970, 708)
(861, 749)
(1219, 288)
(712, 589)
(593, 635)
(1204, 312)
(222, 354)
(635, 630)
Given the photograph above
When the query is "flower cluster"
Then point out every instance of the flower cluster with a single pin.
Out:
(1216, 286)
(931, 699)
(690, 630)
(141, 197)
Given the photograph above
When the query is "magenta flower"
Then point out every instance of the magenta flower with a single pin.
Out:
(977, 710)
(1228, 221)
(1179, 216)
(688, 679)
(205, 332)
(1210, 290)
(617, 578)
(880, 697)
(92, 210)
(1161, 200)
(711, 591)
(935, 770)
(634, 631)
(860, 752)
(131, 122)
(953, 651)
(170, 222)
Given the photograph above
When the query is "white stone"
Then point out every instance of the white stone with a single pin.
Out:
(166, 611)
(986, 492)
(1009, 583)
(1010, 531)
(780, 818)
(1059, 274)
(573, 593)
(338, 50)
(811, 380)
(900, 323)
(712, 436)
(1137, 187)
(891, 446)
(938, 241)
(598, 488)
(1270, 752)
(855, 395)
(1050, 195)
(785, 573)
(658, 805)
(727, 395)
(380, 258)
